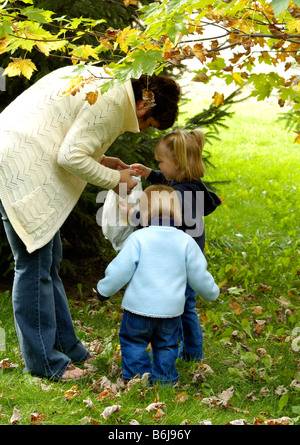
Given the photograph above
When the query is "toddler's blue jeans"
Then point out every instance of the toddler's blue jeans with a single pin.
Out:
(42, 317)
(191, 336)
(136, 333)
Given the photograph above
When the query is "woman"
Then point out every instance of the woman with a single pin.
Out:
(52, 145)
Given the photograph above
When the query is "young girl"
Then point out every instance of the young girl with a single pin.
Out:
(180, 162)
(157, 262)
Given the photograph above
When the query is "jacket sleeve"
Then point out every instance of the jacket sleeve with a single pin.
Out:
(197, 276)
(157, 177)
(211, 200)
(120, 271)
(94, 129)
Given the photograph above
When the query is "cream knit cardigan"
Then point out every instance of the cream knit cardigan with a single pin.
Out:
(50, 147)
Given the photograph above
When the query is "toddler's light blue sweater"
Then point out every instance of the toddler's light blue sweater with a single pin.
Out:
(157, 262)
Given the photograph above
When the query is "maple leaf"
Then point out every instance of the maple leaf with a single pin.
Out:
(297, 140)
(237, 78)
(294, 25)
(218, 99)
(110, 410)
(129, 2)
(36, 418)
(3, 44)
(84, 52)
(200, 52)
(16, 417)
(72, 393)
(124, 37)
(91, 97)
(20, 66)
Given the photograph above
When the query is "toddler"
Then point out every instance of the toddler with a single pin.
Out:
(179, 154)
(156, 263)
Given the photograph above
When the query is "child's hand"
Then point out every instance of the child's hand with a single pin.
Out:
(125, 209)
(141, 170)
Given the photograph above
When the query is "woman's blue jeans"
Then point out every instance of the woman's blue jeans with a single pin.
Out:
(136, 333)
(191, 336)
(42, 317)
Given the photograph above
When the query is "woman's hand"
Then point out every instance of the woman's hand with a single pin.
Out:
(126, 183)
(141, 170)
(113, 163)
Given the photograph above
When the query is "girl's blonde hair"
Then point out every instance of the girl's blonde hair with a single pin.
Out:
(186, 148)
(160, 201)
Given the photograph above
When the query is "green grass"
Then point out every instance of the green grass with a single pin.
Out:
(250, 343)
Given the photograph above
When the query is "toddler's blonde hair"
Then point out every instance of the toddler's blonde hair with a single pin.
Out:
(159, 201)
(186, 148)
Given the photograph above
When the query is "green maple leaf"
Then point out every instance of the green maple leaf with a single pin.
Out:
(279, 6)
(146, 62)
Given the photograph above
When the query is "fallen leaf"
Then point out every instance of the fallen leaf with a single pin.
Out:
(104, 394)
(155, 406)
(237, 422)
(159, 414)
(258, 310)
(16, 417)
(72, 393)
(36, 418)
(88, 403)
(181, 398)
(110, 410)
(4, 364)
(280, 421)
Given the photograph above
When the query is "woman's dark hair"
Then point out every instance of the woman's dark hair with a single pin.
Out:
(166, 93)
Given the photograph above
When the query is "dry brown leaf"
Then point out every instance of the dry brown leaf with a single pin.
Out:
(88, 403)
(181, 397)
(258, 310)
(72, 393)
(237, 422)
(36, 418)
(110, 410)
(16, 417)
(155, 406)
(4, 364)
(159, 414)
(92, 97)
(103, 394)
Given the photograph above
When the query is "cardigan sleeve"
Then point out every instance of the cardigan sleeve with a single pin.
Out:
(94, 129)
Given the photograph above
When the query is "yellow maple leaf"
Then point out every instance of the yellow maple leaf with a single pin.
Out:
(237, 78)
(129, 2)
(294, 25)
(218, 99)
(3, 44)
(84, 52)
(124, 37)
(91, 97)
(20, 66)
(297, 140)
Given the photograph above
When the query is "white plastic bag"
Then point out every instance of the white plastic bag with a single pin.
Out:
(114, 226)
